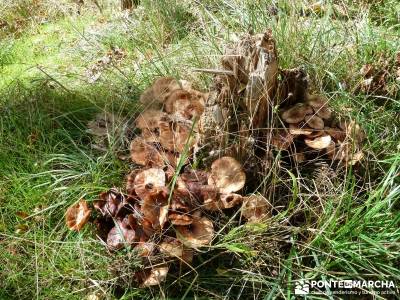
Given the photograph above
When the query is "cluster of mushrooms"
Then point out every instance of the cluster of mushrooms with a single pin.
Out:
(165, 212)
(311, 126)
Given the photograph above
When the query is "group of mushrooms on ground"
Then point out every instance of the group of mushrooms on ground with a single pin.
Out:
(166, 212)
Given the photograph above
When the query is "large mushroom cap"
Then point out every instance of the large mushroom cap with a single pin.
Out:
(145, 154)
(185, 104)
(255, 208)
(314, 122)
(199, 233)
(149, 119)
(297, 113)
(149, 181)
(164, 86)
(319, 143)
(77, 215)
(175, 136)
(227, 174)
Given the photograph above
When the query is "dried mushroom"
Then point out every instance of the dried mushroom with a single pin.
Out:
(77, 215)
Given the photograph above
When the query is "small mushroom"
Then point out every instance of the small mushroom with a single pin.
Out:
(152, 276)
(296, 113)
(209, 194)
(149, 181)
(227, 174)
(230, 200)
(182, 138)
(171, 247)
(319, 143)
(314, 122)
(77, 215)
(167, 138)
(176, 136)
(199, 233)
(255, 208)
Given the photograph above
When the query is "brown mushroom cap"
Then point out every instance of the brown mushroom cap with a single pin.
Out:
(296, 113)
(320, 106)
(336, 133)
(185, 104)
(199, 233)
(319, 143)
(227, 174)
(145, 154)
(314, 122)
(149, 119)
(111, 203)
(149, 100)
(155, 209)
(145, 249)
(121, 234)
(230, 200)
(317, 100)
(163, 87)
(152, 276)
(77, 215)
(171, 247)
(255, 208)
(149, 181)
(298, 129)
(209, 194)
(182, 138)
(180, 219)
